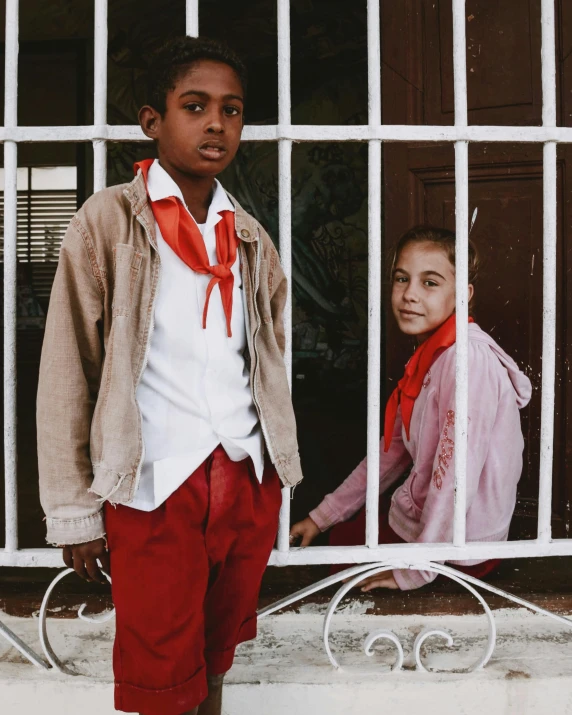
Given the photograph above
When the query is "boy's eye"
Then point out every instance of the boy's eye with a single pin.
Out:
(231, 111)
(431, 284)
(194, 107)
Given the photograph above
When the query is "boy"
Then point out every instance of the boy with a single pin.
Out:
(163, 358)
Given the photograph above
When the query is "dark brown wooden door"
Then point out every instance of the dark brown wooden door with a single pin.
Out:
(504, 72)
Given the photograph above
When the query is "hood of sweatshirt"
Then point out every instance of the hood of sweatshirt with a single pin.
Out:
(520, 382)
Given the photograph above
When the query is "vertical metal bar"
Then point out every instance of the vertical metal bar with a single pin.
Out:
(100, 93)
(285, 217)
(548, 57)
(29, 220)
(10, 275)
(374, 275)
(462, 355)
(192, 18)
(462, 274)
(460, 63)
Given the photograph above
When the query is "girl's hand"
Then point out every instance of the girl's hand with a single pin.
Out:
(380, 580)
(307, 530)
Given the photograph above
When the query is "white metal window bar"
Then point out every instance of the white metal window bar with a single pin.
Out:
(370, 558)
(285, 133)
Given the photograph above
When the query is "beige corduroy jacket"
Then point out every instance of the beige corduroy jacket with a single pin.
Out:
(98, 333)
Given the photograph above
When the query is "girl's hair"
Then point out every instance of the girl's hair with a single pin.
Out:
(441, 237)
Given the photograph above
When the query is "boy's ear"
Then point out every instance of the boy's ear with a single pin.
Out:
(149, 119)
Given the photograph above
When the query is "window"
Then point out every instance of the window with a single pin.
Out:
(47, 200)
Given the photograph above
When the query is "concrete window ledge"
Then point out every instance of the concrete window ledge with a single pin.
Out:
(286, 672)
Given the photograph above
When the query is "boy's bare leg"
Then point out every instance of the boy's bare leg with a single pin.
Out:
(213, 704)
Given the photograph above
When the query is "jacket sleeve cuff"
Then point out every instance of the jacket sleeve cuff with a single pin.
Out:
(324, 516)
(408, 580)
(65, 532)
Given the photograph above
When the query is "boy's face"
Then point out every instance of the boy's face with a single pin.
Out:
(199, 134)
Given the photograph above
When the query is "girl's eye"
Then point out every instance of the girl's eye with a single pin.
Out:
(231, 111)
(194, 107)
(431, 284)
(400, 279)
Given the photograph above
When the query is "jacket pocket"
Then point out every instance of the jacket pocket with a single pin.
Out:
(263, 295)
(127, 264)
(413, 487)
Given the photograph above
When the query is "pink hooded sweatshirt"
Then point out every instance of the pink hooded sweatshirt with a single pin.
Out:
(422, 507)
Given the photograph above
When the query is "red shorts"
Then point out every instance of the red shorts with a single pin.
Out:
(352, 532)
(185, 583)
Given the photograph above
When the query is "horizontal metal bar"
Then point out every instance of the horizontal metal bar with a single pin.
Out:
(307, 133)
(49, 558)
(314, 555)
(415, 553)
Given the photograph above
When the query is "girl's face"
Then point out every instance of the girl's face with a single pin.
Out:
(423, 292)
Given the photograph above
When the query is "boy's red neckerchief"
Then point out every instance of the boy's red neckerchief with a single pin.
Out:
(182, 234)
(409, 387)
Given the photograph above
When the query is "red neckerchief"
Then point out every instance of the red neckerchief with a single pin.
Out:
(409, 387)
(183, 235)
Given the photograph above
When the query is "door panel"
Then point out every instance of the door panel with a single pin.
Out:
(503, 65)
(506, 185)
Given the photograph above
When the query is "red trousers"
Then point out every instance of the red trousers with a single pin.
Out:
(352, 532)
(185, 583)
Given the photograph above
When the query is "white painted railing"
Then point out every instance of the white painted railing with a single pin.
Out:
(371, 557)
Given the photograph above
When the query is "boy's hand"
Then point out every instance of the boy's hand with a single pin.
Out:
(82, 558)
(307, 530)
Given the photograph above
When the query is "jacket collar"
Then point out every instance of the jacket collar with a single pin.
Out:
(135, 192)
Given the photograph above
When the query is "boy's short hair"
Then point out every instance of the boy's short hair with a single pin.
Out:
(170, 61)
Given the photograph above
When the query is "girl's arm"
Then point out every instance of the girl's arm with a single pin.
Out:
(350, 495)
(437, 517)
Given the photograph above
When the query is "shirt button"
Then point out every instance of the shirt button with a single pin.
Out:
(244, 233)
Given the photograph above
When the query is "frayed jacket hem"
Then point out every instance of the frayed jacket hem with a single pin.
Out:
(66, 532)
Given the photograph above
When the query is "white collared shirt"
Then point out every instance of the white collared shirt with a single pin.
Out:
(195, 392)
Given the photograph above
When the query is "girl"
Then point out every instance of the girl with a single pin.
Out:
(420, 424)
